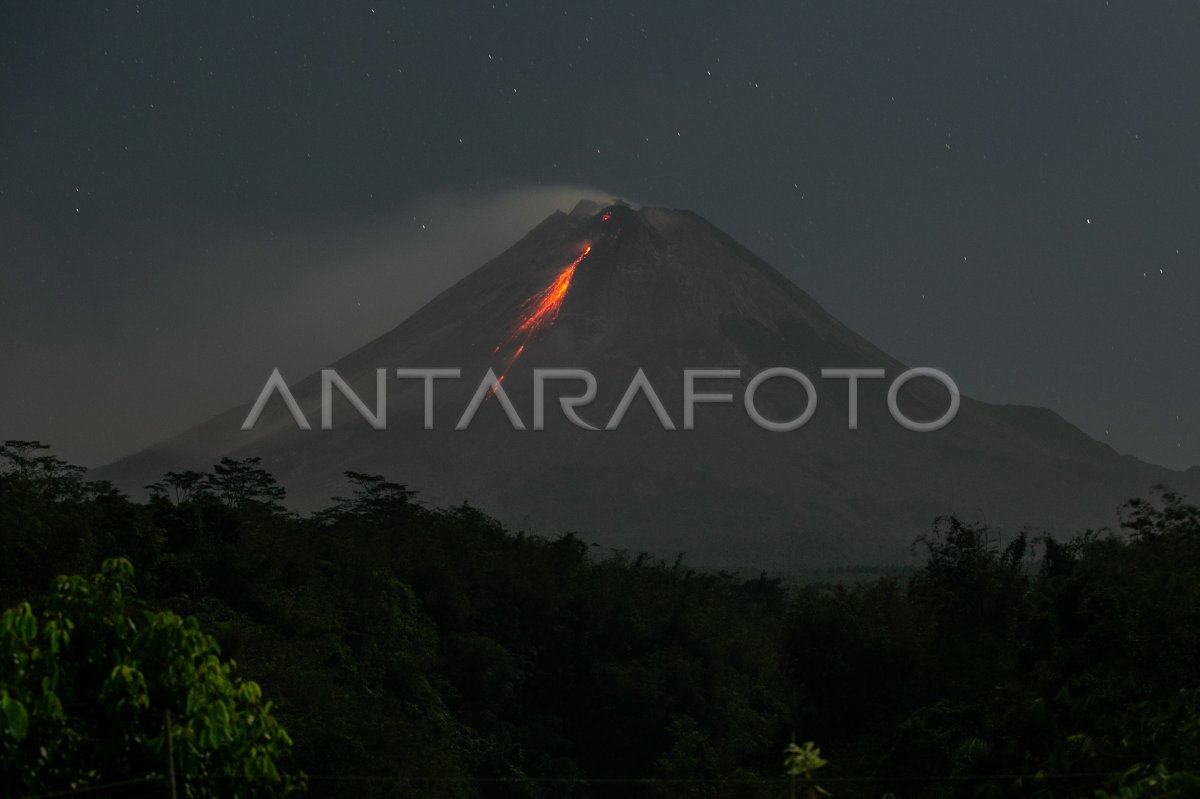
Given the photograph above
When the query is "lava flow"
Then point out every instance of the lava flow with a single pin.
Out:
(539, 313)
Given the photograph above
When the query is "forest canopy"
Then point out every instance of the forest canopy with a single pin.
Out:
(426, 652)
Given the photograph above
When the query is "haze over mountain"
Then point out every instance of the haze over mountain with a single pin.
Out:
(611, 290)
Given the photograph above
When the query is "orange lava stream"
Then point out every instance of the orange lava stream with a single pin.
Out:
(539, 312)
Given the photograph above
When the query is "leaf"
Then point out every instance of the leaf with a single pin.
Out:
(15, 716)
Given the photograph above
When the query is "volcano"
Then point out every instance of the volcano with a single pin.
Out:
(612, 290)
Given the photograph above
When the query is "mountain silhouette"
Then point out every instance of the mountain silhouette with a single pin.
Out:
(613, 290)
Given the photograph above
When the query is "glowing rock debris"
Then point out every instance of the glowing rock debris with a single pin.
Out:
(538, 313)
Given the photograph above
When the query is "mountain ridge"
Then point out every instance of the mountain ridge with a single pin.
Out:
(666, 290)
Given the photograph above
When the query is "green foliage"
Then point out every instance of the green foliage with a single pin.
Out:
(431, 652)
(802, 761)
(90, 678)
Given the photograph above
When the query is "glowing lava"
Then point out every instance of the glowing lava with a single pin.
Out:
(539, 313)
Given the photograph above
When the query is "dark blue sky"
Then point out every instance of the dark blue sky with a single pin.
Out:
(1008, 191)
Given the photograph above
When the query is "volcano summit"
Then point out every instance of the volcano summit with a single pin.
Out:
(616, 293)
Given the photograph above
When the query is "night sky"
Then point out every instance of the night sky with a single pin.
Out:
(192, 194)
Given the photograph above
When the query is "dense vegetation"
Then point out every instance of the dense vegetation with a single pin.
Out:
(426, 652)
(97, 691)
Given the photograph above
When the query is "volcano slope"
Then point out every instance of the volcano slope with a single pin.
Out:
(613, 290)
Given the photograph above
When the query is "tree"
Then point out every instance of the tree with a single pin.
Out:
(243, 484)
(40, 474)
(95, 689)
(178, 487)
(374, 499)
